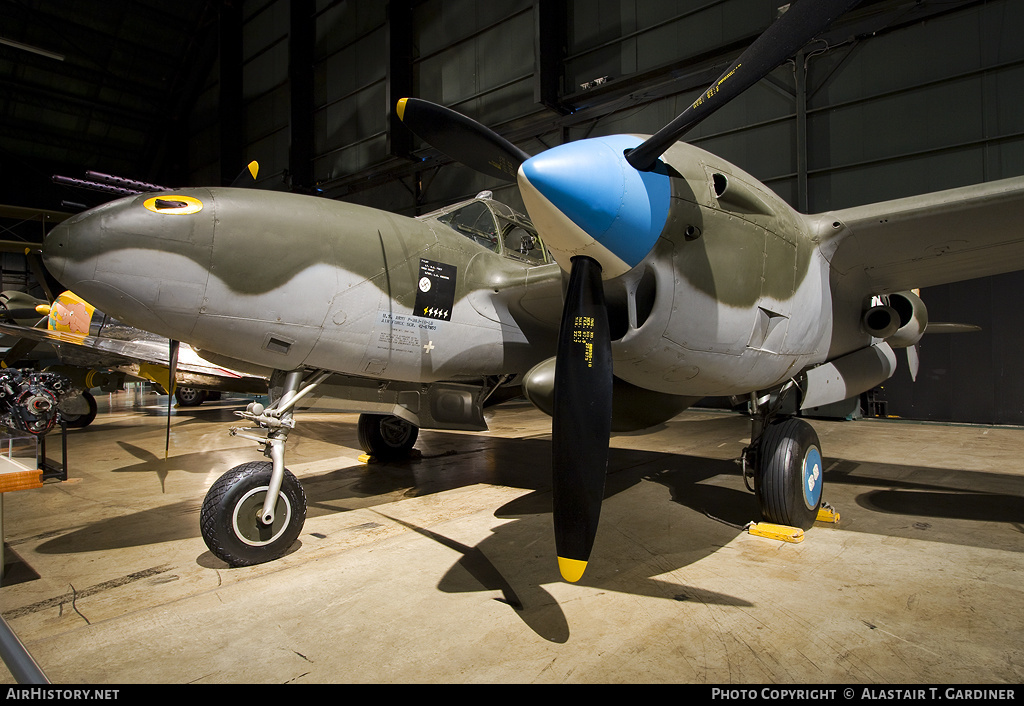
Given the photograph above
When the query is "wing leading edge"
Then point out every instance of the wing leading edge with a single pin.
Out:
(928, 240)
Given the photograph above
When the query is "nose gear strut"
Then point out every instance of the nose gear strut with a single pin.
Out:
(278, 420)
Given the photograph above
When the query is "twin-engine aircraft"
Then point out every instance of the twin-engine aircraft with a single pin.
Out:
(649, 274)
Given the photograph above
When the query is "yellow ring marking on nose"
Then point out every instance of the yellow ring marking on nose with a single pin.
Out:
(174, 204)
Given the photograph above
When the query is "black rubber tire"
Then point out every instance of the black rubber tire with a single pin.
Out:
(790, 476)
(244, 541)
(189, 396)
(81, 421)
(386, 437)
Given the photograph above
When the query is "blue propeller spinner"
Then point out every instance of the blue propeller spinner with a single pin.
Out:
(611, 203)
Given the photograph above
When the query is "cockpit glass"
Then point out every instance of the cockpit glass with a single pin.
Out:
(476, 222)
(498, 228)
(521, 244)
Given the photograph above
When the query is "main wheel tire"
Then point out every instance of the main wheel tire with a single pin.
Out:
(79, 419)
(189, 396)
(790, 474)
(386, 437)
(230, 516)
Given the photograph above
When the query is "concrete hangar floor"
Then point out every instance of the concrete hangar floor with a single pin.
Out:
(441, 570)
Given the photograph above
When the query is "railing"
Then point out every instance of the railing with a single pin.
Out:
(17, 658)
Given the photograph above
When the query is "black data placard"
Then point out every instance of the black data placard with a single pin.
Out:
(435, 290)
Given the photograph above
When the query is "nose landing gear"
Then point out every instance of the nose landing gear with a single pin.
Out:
(231, 523)
(254, 512)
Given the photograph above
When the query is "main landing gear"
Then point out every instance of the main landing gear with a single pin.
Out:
(386, 437)
(784, 462)
(254, 513)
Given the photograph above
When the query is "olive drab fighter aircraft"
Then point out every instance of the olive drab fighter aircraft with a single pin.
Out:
(686, 278)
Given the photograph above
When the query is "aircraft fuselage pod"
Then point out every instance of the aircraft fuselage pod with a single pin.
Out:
(715, 285)
(283, 281)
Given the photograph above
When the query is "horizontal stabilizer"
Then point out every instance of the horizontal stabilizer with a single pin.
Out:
(949, 327)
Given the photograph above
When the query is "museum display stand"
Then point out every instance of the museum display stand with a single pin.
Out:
(24, 465)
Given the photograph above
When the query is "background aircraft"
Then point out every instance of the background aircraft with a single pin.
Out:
(686, 278)
(71, 338)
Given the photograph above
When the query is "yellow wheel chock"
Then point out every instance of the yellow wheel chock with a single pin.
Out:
(773, 531)
(795, 535)
(827, 513)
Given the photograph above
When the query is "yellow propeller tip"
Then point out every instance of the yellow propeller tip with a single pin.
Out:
(43, 309)
(571, 569)
(254, 168)
(401, 108)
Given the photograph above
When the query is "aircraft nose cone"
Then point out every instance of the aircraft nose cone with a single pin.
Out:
(591, 183)
(143, 259)
(67, 246)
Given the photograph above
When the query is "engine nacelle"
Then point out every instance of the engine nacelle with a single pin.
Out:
(633, 408)
(901, 322)
(913, 319)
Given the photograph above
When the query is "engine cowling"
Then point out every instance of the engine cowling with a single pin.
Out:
(913, 319)
(633, 408)
(900, 322)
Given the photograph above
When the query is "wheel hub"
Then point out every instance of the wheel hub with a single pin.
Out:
(247, 522)
(395, 431)
(812, 479)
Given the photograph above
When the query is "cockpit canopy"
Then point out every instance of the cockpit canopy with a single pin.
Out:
(495, 226)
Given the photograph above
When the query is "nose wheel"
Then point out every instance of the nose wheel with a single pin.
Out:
(231, 521)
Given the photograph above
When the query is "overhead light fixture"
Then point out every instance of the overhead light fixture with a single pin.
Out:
(30, 48)
(595, 82)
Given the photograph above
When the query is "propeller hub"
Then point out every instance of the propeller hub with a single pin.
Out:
(586, 199)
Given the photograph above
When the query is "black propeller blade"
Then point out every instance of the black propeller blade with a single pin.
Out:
(462, 139)
(247, 177)
(800, 23)
(23, 313)
(35, 263)
(172, 372)
(581, 419)
(21, 348)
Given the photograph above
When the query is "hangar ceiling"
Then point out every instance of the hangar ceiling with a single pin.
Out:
(112, 87)
(904, 96)
(97, 85)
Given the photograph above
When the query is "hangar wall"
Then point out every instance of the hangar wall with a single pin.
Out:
(902, 98)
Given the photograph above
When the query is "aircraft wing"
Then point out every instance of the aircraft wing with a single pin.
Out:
(139, 356)
(23, 213)
(932, 239)
(146, 351)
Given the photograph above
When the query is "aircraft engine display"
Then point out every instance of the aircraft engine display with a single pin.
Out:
(29, 400)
